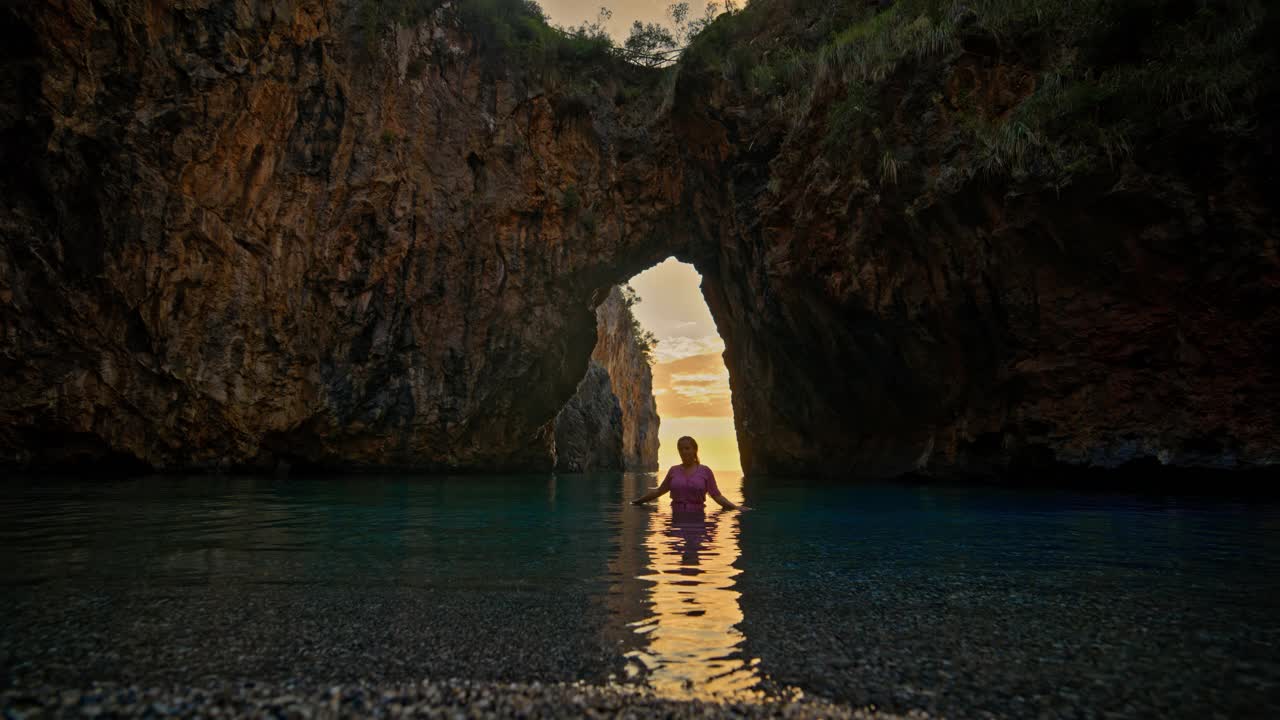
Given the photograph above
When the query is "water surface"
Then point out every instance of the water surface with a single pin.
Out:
(959, 601)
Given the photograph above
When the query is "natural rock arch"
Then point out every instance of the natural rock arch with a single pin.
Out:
(231, 243)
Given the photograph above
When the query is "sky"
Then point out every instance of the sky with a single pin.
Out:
(573, 12)
(690, 382)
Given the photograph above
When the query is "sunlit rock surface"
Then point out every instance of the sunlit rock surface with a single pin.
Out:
(631, 377)
(611, 422)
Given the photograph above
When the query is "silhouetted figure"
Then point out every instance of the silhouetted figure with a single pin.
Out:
(689, 483)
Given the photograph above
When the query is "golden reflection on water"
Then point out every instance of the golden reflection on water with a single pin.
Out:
(684, 640)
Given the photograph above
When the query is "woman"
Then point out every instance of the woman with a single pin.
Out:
(689, 482)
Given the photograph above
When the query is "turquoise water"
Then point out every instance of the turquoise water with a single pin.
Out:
(959, 601)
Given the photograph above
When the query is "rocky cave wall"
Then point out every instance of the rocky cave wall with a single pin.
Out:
(233, 239)
(918, 303)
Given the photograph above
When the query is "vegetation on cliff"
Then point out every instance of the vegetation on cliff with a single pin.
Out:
(516, 39)
(1086, 80)
(521, 40)
(643, 338)
(520, 29)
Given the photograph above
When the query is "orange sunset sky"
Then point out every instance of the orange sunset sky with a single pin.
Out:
(573, 12)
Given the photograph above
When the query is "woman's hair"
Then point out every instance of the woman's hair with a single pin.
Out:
(695, 446)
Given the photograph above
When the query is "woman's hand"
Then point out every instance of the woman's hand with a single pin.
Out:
(655, 493)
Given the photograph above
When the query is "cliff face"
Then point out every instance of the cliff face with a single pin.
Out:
(611, 422)
(958, 250)
(619, 351)
(230, 239)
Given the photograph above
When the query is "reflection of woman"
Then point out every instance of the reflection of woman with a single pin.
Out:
(689, 482)
(692, 532)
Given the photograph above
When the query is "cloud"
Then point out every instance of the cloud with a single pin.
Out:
(675, 348)
(694, 386)
(720, 378)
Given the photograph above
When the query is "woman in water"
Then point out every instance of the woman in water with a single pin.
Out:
(689, 482)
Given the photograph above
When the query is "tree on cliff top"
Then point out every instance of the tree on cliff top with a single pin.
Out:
(643, 338)
(654, 45)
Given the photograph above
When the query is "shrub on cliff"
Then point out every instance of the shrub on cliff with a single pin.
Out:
(519, 30)
(516, 32)
(645, 341)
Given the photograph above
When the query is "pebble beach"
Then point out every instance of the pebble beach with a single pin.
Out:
(452, 698)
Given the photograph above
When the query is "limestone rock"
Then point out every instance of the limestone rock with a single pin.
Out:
(631, 377)
(618, 398)
(589, 427)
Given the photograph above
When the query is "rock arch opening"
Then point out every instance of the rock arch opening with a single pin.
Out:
(690, 380)
(655, 374)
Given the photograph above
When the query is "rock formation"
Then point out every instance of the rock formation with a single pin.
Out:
(1033, 242)
(234, 236)
(623, 354)
(589, 427)
(611, 422)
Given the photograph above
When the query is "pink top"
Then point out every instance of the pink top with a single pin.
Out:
(689, 491)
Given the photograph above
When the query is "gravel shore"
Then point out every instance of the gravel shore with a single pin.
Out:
(430, 698)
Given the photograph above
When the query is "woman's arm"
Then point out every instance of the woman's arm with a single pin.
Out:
(714, 491)
(655, 493)
(724, 501)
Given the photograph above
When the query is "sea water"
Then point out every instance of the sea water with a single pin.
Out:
(959, 601)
